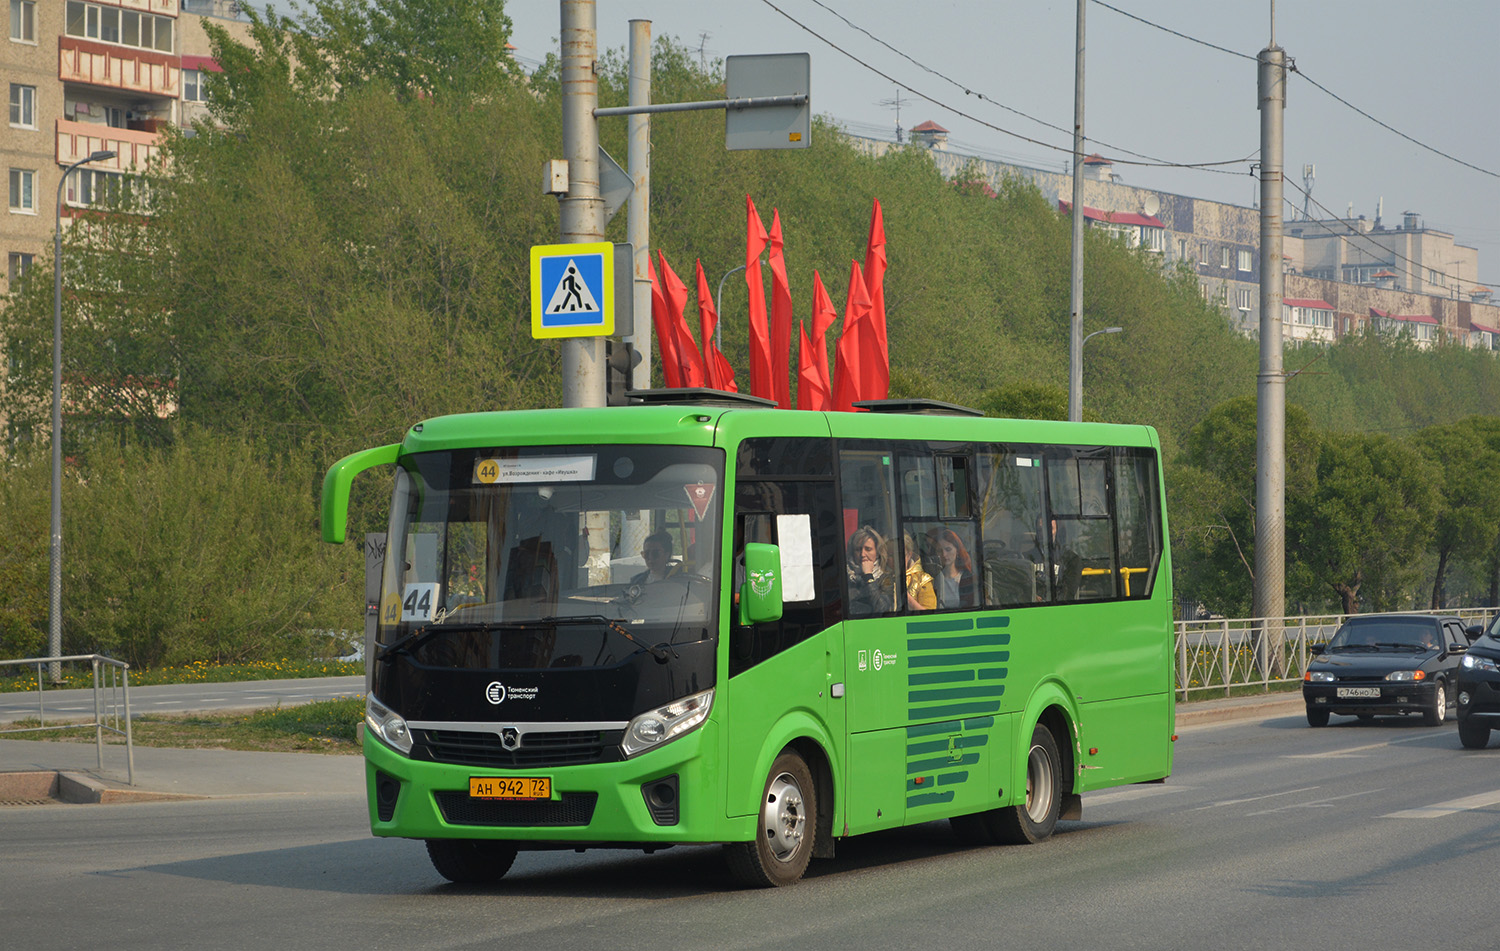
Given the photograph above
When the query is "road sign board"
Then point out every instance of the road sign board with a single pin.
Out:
(764, 75)
(573, 290)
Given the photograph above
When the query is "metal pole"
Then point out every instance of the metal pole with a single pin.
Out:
(638, 213)
(54, 579)
(1106, 330)
(582, 208)
(1270, 433)
(719, 307)
(1075, 305)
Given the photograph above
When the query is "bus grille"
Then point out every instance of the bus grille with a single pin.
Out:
(537, 750)
(573, 809)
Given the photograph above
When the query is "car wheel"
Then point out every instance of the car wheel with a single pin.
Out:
(471, 861)
(1474, 736)
(786, 828)
(1437, 711)
(1317, 717)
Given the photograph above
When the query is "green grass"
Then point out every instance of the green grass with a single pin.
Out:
(323, 726)
(200, 672)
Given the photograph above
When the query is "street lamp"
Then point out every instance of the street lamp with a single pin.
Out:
(1106, 330)
(55, 552)
(719, 307)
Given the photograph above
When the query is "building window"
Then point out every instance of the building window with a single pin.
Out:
(1203, 253)
(1153, 239)
(23, 21)
(90, 186)
(17, 264)
(23, 191)
(1244, 295)
(192, 86)
(22, 106)
(1244, 261)
(126, 27)
(1223, 257)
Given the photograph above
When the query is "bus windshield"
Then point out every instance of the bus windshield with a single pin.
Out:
(553, 556)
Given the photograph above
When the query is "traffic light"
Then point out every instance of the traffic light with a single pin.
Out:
(620, 358)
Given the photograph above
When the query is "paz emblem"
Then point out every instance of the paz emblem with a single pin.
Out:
(761, 582)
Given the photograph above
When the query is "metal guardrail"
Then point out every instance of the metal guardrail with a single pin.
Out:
(111, 702)
(1219, 655)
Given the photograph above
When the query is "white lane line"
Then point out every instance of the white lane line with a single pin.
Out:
(1129, 795)
(1448, 808)
(1316, 803)
(1237, 802)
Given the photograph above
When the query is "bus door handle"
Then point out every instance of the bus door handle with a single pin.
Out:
(836, 691)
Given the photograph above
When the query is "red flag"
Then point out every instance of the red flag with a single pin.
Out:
(856, 346)
(720, 374)
(879, 374)
(761, 375)
(824, 317)
(666, 340)
(781, 317)
(685, 347)
(812, 380)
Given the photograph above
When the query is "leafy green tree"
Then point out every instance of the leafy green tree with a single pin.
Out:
(1025, 400)
(1468, 495)
(1363, 530)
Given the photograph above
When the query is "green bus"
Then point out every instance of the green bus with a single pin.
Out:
(701, 620)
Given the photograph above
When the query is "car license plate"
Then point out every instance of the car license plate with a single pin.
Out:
(1357, 693)
(510, 787)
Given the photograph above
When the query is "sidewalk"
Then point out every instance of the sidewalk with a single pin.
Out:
(172, 774)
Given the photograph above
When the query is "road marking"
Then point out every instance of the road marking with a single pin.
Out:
(1439, 809)
(1357, 749)
(1236, 802)
(1128, 795)
(1315, 804)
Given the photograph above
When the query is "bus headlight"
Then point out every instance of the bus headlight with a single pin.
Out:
(387, 724)
(655, 727)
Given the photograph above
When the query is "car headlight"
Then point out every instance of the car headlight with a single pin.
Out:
(655, 727)
(1475, 662)
(1319, 677)
(1406, 675)
(387, 724)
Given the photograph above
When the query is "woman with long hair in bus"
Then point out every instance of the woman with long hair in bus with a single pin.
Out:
(919, 593)
(871, 584)
(955, 579)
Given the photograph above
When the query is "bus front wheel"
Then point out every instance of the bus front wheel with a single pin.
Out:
(471, 861)
(786, 827)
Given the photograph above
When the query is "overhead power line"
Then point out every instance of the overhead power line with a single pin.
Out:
(1151, 161)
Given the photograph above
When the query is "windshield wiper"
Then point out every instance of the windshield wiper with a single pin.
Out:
(1396, 646)
(660, 651)
(427, 632)
(1353, 647)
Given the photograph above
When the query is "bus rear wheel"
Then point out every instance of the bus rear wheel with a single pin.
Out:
(1034, 819)
(785, 829)
(471, 861)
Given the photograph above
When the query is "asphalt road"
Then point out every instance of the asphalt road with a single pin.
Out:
(182, 698)
(1269, 835)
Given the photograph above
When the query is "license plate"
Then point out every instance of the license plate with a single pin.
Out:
(1357, 693)
(510, 787)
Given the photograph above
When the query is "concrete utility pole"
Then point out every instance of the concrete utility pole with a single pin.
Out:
(582, 208)
(1075, 333)
(1270, 429)
(638, 212)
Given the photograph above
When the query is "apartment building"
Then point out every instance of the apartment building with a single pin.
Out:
(89, 75)
(1341, 276)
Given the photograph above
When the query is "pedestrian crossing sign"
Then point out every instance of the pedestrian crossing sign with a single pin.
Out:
(572, 290)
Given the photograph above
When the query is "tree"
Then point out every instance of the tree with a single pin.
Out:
(1468, 495)
(1364, 529)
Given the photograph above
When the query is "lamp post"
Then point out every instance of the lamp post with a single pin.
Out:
(719, 307)
(54, 586)
(1106, 330)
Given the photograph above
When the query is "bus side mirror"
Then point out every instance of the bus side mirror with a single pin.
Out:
(760, 594)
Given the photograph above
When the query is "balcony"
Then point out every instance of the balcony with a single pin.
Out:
(133, 150)
(145, 72)
(166, 8)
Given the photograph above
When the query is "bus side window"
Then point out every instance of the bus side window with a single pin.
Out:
(1013, 559)
(1137, 521)
(866, 480)
(1082, 542)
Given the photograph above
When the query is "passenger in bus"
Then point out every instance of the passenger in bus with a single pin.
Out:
(871, 585)
(955, 579)
(919, 593)
(657, 551)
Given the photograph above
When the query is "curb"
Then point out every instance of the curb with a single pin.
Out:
(1290, 706)
(36, 787)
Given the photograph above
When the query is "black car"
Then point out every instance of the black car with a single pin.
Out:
(1384, 664)
(1478, 687)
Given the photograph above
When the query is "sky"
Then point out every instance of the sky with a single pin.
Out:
(999, 75)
